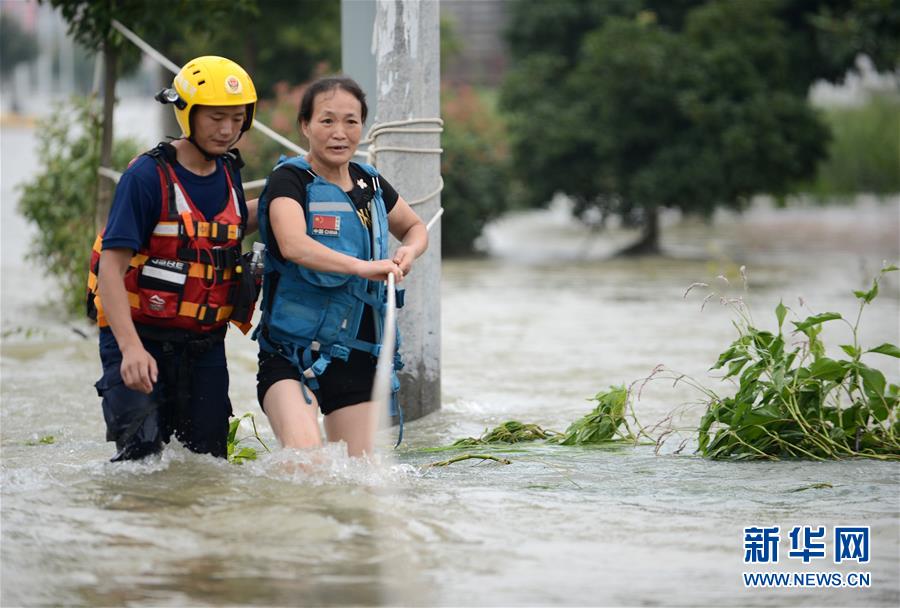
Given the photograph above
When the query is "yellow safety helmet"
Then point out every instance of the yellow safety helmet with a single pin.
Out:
(209, 81)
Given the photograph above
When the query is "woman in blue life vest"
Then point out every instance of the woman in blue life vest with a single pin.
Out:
(325, 221)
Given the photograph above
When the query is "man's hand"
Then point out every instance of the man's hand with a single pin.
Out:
(138, 369)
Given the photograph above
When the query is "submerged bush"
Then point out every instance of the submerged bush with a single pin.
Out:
(61, 199)
(794, 401)
(863, 151)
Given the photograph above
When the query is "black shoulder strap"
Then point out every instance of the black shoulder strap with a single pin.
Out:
(164, 155)
(233, 159)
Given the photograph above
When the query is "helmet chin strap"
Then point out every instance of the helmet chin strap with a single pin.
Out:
(206, 154)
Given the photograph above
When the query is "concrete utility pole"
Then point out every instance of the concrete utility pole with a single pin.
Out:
(357, 56)
(405, 49)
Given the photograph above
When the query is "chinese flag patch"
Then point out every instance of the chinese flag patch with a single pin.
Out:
(326, 224)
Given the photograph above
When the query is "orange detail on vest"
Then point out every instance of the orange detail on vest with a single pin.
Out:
(174, 293)
(188, 223)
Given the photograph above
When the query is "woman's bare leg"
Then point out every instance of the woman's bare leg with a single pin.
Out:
(295, 422)
(355, 425)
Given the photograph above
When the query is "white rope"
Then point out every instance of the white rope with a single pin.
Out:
(434, 219)
(381, 388)
(257, 183)
(141, 44)
(428, 196)
(284, 141)
(400, 126)
(112, 174)
(403, 126)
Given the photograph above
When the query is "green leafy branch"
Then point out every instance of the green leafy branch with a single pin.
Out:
(794, 401)
(238, 454)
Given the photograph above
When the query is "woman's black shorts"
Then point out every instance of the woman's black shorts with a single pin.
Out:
(343, 383)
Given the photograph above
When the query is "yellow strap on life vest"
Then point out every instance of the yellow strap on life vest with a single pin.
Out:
(194, 310)
(211, 230)
(188, 223)
(187, 309)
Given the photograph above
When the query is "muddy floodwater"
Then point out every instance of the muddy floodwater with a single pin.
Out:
(529, 333)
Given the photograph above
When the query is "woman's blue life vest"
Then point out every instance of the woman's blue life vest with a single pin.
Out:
(307, 312)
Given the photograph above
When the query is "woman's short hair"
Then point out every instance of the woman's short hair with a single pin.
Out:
(329, 83)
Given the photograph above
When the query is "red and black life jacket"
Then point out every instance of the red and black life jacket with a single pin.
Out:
(189, 274)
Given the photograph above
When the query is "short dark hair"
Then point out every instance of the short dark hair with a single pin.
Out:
(329, 83)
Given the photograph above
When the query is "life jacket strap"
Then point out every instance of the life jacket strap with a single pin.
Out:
(218, 257)
(217, 232)
(205, 314)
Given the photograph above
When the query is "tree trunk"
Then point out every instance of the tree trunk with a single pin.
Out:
(105, 186)
(648, 244)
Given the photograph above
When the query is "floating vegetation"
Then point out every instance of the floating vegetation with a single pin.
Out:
(793, 401)
(26, 332)
(511, 431)
(45, 440)
(606, 423)
(814, 486)
(239, 454)
(462, 457)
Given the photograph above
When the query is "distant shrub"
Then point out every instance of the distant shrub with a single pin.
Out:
(61, 198)
(864, 150)
(475, 168)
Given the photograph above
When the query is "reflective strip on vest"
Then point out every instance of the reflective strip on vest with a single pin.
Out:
(180, 201)
(197, 270)
(166, 229)
(162, 274)
(315, 206)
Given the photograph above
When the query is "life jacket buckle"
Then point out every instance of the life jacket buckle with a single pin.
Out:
(341, 352)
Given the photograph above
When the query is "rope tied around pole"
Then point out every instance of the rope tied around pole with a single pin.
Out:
(409, 126)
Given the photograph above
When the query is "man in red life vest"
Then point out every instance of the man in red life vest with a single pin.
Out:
(166, 274)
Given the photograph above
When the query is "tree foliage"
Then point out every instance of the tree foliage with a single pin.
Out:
(474, 167)
(629, 105)
(16, 45)
(60, 200)
(273, 40)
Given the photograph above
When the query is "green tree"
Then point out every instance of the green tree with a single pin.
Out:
(474, 167)
(60, 199)
(274, 40)
(91, 24)
(631, 105)
(16, 46)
